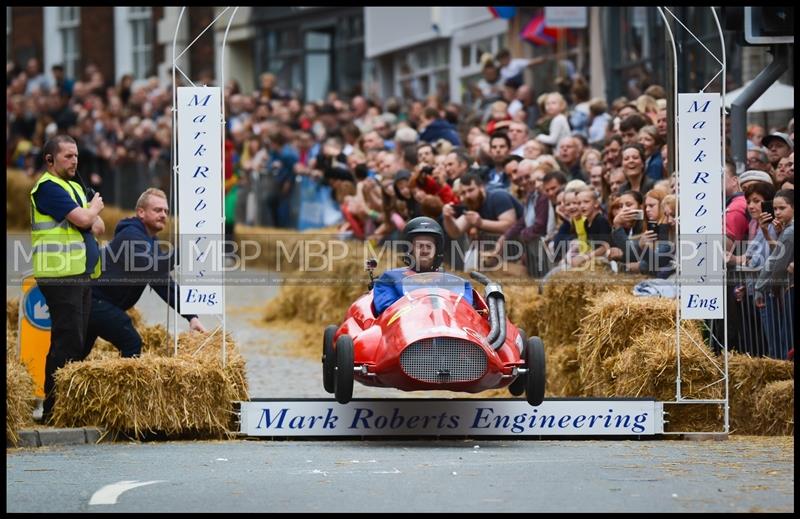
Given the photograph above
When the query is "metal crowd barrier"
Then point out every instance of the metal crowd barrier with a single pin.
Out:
(760, 332)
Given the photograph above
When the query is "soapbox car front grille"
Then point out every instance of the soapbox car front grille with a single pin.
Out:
(443, 360)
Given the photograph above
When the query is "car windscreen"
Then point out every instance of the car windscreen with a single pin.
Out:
(436, 280)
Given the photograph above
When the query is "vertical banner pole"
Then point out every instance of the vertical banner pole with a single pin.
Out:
(175, 180)
(222, 100)
(724, 224)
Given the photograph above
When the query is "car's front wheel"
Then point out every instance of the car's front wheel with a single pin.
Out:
(535, 378)
(344, 369)
(328, 358)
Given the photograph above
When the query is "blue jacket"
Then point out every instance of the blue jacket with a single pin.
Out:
(388, 289)
(440, 129)
(147, 264)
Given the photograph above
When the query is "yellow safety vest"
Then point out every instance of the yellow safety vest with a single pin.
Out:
(58, 247)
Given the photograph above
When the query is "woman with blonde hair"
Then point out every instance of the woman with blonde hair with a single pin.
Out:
(590, 158)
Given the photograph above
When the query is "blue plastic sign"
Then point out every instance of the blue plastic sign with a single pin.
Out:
(36, 310)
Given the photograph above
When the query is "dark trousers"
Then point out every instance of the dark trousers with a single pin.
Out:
(114, 325)
(69, 301)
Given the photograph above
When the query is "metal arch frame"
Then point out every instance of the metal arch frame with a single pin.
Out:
(173, 163)
(679, 399)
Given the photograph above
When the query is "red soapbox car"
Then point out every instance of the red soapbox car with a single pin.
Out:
(432, 338)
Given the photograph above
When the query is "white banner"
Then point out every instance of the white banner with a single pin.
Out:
(700, 177)
(568, 17)
(463, 417)
(200, 185)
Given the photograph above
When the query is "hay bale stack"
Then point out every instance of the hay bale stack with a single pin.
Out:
(609, 327)
(19, 391)
(134, 397)
(185, 396)
(568, 293)
(18, 199)
(524, 306)
(648, 368)
(12, 314)
(282, 250)
(775, 408)
(563, 377)
(748, 378)
(323, 297)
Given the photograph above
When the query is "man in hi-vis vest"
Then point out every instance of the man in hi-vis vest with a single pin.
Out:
(65, 255)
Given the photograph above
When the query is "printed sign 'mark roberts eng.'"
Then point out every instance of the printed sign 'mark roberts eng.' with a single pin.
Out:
(200, 209)
(700, 176)
(466, 417)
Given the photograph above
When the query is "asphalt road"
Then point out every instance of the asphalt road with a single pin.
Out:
(739, 475)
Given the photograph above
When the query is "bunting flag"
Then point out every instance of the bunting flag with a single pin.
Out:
(506, 13)
(538, 33)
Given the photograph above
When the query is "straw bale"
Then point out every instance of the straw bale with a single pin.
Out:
(524, 306)
(775, 408)
(12, 314)
(323, 297)
(19, 392)
(563, 378)
(136, 397)
(18, 199)
(282, 250)
(568, 293)
(748, 377)
(610, 324)
(185, 396)
(648, 368)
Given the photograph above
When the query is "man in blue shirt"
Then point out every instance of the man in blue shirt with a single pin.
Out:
(427, 244)
(131, 261)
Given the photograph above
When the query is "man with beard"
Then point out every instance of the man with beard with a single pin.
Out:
(131, 261)
(485, 214)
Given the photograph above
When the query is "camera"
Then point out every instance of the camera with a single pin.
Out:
(459, 209)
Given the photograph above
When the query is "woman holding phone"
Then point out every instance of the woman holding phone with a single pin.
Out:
(773, 287)
(628, 224)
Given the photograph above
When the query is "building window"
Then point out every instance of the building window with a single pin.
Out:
(141, 20)
(423, 71)
(470, 71)
(69, 19)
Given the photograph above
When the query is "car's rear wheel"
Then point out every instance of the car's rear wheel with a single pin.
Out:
(344, 369)
(328, 358)
(517, 388)
(535, 378)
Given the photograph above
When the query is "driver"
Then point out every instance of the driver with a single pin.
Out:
(427, 241)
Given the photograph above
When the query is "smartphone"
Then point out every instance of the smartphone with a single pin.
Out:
(459, 209)
(766, 207)
(638, 214)
(652, 226)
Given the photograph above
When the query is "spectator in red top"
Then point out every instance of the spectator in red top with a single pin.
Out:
(736, 224)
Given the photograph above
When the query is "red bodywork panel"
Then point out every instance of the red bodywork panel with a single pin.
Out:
(431, 313)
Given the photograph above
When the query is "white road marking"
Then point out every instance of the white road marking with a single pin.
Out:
(108, 494)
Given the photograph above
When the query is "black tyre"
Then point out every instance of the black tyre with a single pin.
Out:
(328, 358)
(344, 369)
(517, 388)
(535, 378)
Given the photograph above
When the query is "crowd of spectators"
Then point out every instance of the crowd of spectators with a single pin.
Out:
(537, 181)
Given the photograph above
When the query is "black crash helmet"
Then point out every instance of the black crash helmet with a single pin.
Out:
(428, 226)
